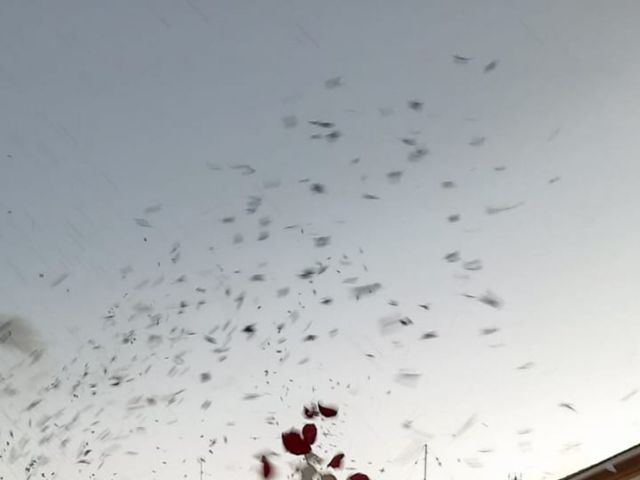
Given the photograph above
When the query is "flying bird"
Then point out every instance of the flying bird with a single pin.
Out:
(490, 66)
(460, 59)
(568, 406)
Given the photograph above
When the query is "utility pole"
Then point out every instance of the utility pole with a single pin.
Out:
(425, 461)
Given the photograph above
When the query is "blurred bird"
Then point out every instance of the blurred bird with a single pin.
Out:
(460, 59)
(568, 406)
(17, 334)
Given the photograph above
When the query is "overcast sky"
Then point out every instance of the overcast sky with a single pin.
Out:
(129, 132)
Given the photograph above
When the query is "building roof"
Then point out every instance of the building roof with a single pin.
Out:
(621, 466)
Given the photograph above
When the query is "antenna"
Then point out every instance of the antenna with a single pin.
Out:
(201, 461)
(425, 461)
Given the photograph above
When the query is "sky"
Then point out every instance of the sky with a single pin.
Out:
(179, 243)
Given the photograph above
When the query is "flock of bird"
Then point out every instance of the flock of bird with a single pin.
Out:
(77, 412)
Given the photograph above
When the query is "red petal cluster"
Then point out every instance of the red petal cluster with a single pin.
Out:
(313, 410)
(299, 442)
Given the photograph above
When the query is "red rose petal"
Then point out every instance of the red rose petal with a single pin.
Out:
(358, 476)
(336, 461)
(294, 443)
(267, 468)
(327, 411)
(309, 433)
(310, 412)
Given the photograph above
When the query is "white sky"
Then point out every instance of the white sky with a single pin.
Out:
(108, 108)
